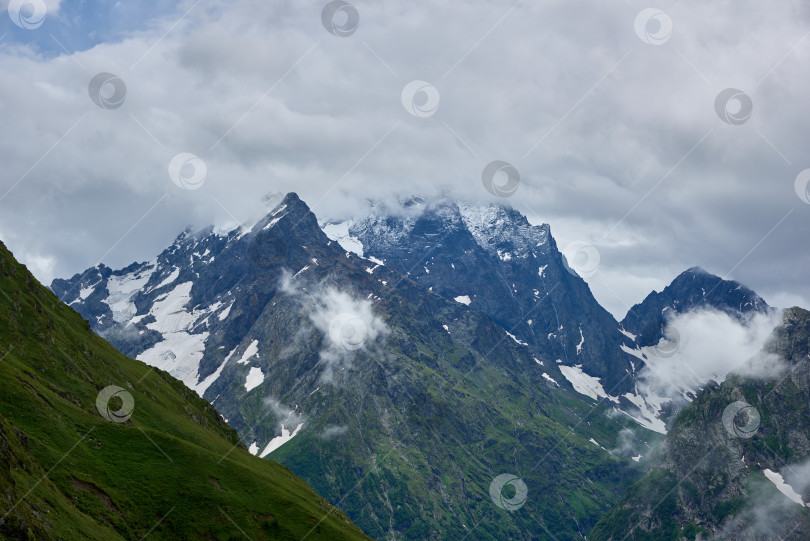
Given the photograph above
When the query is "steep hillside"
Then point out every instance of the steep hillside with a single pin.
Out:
(94, 445)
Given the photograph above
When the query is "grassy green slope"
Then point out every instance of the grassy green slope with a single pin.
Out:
(173, 470)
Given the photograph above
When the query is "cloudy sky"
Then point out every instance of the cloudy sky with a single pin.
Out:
(615, 114)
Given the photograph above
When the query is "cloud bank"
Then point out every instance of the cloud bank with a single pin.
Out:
(710, 345)
(613, 128)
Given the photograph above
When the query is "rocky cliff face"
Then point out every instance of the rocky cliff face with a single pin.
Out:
(736, 464)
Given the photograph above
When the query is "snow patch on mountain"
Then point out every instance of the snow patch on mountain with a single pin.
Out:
(225, 313)
(203, 386)
(648, 405)
(463, 299)
(180, 351)
(87, 291)
(593, 441)
(585, 384)
(122, 289)
(635, 352)
(648, 413)
(513, 337)
(175, 274)
(250, 351)
(549, 378)
(254, 378)
(273, 222)
(340, 233)
(629, 335)
(782, 486)
(278, 441)
(169, 310)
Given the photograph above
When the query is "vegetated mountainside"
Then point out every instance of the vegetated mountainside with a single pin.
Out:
(691, 290)
(170, 469)
(736, 464)
(399, 406)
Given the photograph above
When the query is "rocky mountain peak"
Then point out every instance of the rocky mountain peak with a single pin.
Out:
(796, 316)
(291, 209)
(497, 228)
(693, 289)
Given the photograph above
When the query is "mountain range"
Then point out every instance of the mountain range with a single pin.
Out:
(492, 258)
(404, 362)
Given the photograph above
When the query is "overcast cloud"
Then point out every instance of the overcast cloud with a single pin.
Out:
(616, 140)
